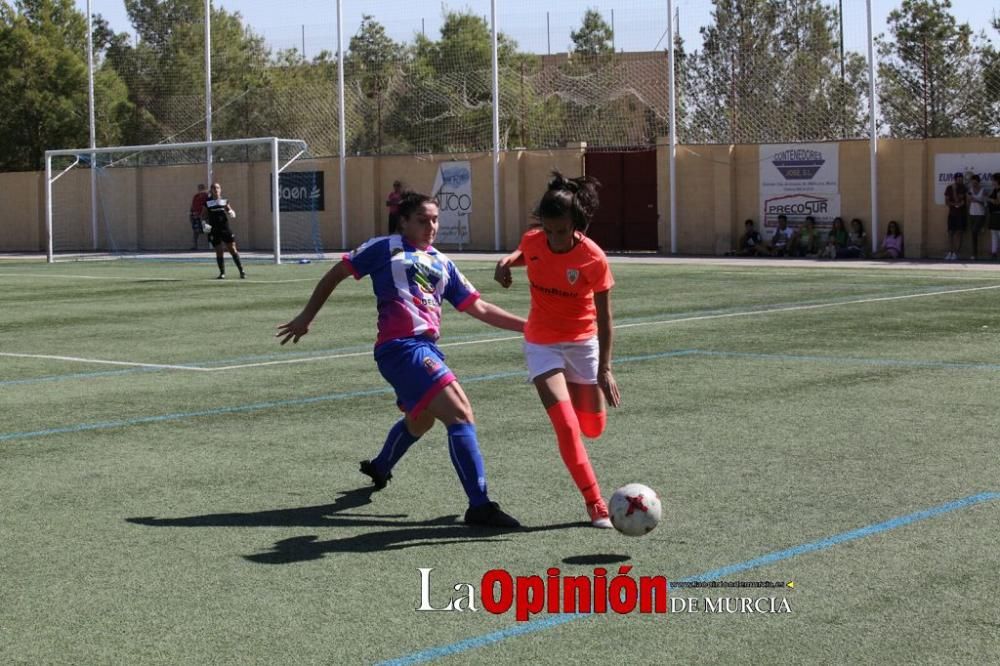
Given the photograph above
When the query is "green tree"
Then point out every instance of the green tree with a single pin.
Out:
(595, 37)
(372, 63)
(164, 72)
(990, 70)
(925, 72)
(43, 80)
(299, 101)
(769, 70)
(444, 96)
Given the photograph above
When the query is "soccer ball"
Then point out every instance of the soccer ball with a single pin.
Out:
(635, 509)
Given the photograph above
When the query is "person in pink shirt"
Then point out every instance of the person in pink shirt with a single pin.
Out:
(892, 244)
(392, 203)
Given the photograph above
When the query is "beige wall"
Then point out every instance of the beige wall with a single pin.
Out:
(21, 198)
(717, 188)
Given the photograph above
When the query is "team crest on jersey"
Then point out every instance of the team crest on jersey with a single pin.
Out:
(424, 270)
(572, 275)
(431, 365)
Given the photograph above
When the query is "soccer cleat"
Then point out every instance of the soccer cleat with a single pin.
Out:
(380, 480)
(599, 517)
(243, 275)
(490, 515)
(222, 276)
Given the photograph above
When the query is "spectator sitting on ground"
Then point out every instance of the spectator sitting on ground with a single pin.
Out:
(857, 241)
(805, 240)
(781, 240)
(751, 244)
(836, 240)
(892, 244)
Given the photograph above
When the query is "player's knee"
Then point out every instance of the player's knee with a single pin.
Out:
(463, 414)
(592, 425)
(419, 426)
(564, 420)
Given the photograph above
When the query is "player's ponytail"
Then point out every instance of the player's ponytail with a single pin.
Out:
(573, 197)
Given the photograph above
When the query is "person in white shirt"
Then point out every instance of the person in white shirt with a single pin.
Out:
(977, 212)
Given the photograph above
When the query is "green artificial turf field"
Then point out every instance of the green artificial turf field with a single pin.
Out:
(178, 488)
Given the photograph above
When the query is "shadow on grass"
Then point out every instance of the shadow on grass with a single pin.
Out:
(599, 558)
(404, 533)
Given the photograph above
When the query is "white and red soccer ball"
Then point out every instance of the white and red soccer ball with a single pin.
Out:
(635, 509)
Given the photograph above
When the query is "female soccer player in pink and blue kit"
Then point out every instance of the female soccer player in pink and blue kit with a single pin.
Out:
(410, 279)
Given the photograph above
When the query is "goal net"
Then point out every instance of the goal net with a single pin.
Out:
(139, 201)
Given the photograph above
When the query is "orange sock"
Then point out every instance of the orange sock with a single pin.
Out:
(592, 424)
(571, 448)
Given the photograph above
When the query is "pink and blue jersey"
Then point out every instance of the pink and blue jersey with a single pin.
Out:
(409, 285)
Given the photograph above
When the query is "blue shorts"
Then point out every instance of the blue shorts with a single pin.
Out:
(416, 370)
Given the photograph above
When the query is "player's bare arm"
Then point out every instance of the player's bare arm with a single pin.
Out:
(605, 340)
(298, 327)
(502, 272)
(495, 316)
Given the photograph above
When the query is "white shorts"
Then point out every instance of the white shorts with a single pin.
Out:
(578, 360)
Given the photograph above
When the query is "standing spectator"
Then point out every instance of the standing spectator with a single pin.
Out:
(197, 203)
(993, 204)
(977, 212)
(805, 240)
(892, 244)
(782, 238)
(392, 203)
(216, 214)
(956, 200)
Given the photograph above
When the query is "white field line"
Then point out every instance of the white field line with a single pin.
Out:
(813, 306)
(147, 279)
(98, 361)
(748, 313)
(327, 357)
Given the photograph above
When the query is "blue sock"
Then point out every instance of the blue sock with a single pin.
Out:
(396, 445)
(464, 450)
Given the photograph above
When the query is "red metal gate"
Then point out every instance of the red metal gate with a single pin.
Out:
(627, 217)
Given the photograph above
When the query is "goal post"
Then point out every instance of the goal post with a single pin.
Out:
(144, 193)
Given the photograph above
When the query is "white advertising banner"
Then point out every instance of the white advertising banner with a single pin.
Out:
(795, 168)
(797, 180)
(453, 190)
(946, 165)
(824, 207)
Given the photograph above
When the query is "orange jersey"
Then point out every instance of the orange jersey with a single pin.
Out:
(562, 288)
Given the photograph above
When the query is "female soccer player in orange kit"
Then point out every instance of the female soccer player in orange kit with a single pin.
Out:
(568, 336)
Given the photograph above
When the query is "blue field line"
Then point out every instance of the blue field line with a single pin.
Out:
(104, 425)
(238, 409)
(475, 642)
(677, 353)
(659, 317)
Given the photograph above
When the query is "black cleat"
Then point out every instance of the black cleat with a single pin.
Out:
(379, 480)
(243, 275)
(490, 515)
(222, 276)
